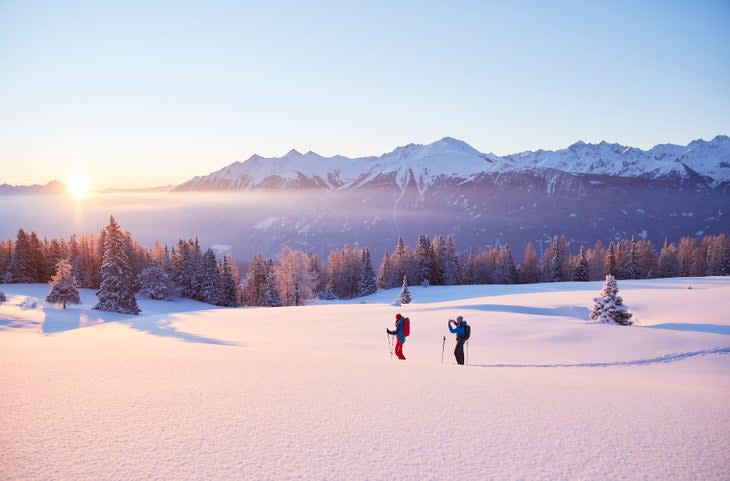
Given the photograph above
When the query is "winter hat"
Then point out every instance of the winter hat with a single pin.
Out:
(398, 316)
(460, 319)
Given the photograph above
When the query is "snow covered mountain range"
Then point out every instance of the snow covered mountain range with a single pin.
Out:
(586, 191)
(450, 158)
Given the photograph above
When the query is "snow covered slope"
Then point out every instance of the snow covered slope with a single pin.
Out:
(311, 392)
(450, 158)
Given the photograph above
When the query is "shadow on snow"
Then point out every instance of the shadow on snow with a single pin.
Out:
(577, 312)
(157, 325)
(710, 328)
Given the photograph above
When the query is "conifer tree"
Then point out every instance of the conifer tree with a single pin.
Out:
(210, 281)
(367, 276)
(554, 273)
(468, 272)
(669, 265)
(686, 255)
(505, 270)
(37, 261)
(609, 306)
(259, 282)
(21, 267)
(530, 269)
(272, 298)
(582, 270)
(383, 280)
(405, 294)
(63, 286)
(6, 253)
(451, 263)
(631, 264)
(438, 251)
(718, 256)
(597, 261)
(116, 292)
(611, 261)
(155, 283)
(648, 259)
(52, 255)
(402, 263)
(424, 260)
(230, 293)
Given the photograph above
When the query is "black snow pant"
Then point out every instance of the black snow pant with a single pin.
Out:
(459, 352)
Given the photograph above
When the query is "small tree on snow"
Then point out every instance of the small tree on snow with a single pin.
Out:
(63, 286)
(609, 307)
(405, 294)
(2, 297)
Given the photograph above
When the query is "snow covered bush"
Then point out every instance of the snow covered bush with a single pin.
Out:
(609, 307)
(154, 283)
(63, 286)
(2, 297)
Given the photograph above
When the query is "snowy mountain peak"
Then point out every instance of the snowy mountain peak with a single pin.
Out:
(293, 153)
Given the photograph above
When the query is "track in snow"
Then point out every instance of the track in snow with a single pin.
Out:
(679, 356)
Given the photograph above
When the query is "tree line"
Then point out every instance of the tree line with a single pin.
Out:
(113, 262)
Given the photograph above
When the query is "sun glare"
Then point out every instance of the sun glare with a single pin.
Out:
(78, 185)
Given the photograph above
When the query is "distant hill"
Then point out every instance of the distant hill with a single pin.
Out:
(53, 187)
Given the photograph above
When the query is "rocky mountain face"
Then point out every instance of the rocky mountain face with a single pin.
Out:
(586, 191)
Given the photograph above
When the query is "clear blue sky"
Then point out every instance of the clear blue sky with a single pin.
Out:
(149, 93)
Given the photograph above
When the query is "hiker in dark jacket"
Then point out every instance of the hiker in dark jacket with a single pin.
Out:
(400, 335)
(459, 328)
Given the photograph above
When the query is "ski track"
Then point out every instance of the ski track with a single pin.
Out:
(679, 356)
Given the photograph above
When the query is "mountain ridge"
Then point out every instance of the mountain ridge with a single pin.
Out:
(453, 158)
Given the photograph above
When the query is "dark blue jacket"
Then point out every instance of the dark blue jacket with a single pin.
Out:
(459, 330)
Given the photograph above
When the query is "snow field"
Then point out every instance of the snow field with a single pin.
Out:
(188, 392)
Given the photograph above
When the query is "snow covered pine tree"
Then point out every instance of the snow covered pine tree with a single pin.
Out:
(405, 294)
(155, 283)
(609, 307)
(116, 292)
(63, 286)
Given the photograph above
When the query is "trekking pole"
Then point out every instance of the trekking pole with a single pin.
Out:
(467, 352)
(390, 348)
(443, 344)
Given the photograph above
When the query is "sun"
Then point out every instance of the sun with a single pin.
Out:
(78, 185)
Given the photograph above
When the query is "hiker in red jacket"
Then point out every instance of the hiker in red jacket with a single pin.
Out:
(400, 334)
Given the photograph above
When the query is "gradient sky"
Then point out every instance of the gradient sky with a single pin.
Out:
(151, 93)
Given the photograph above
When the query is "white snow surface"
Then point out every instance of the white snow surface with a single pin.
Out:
(189, 392)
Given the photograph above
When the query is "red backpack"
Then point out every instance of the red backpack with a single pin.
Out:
(406, 327)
